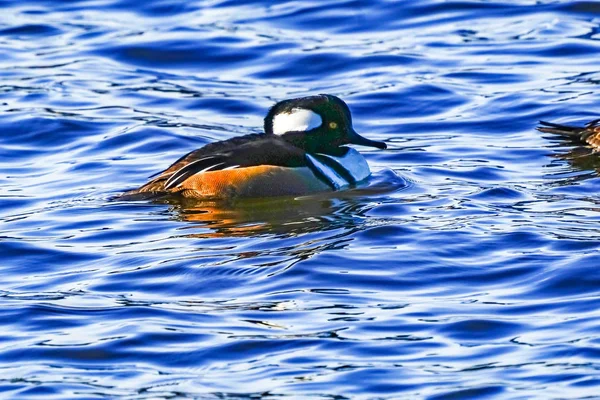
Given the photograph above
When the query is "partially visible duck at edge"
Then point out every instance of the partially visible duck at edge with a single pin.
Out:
(587, 134)
(303, 151)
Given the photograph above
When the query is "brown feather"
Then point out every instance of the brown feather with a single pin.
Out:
(259, 181)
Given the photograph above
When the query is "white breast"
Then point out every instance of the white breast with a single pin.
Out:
(298, 120)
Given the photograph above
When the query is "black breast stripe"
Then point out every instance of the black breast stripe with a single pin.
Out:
(329, 172)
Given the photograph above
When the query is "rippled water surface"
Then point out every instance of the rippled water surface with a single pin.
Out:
(466, 268)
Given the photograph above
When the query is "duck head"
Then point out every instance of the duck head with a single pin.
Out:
(317, 124)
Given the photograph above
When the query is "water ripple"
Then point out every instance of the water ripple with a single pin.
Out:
(464, 268)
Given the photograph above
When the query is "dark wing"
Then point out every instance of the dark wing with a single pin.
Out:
(246, 151)
(590, 133)
(203, 152)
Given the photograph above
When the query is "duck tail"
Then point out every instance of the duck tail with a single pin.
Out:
(558, 129)
(585, 134)
(151, 190)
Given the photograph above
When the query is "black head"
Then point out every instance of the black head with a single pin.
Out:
(316, 123)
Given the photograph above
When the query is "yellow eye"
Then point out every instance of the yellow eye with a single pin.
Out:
(332, 125)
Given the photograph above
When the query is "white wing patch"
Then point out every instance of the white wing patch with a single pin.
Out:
(299, 120)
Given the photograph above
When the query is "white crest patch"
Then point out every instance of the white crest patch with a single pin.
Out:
(298, 120)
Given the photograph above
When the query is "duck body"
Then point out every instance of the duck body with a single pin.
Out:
(303, 151)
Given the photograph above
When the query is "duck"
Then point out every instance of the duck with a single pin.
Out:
(588, 134)
(303, 150)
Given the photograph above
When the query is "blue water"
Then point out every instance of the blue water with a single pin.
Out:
(466, 268)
